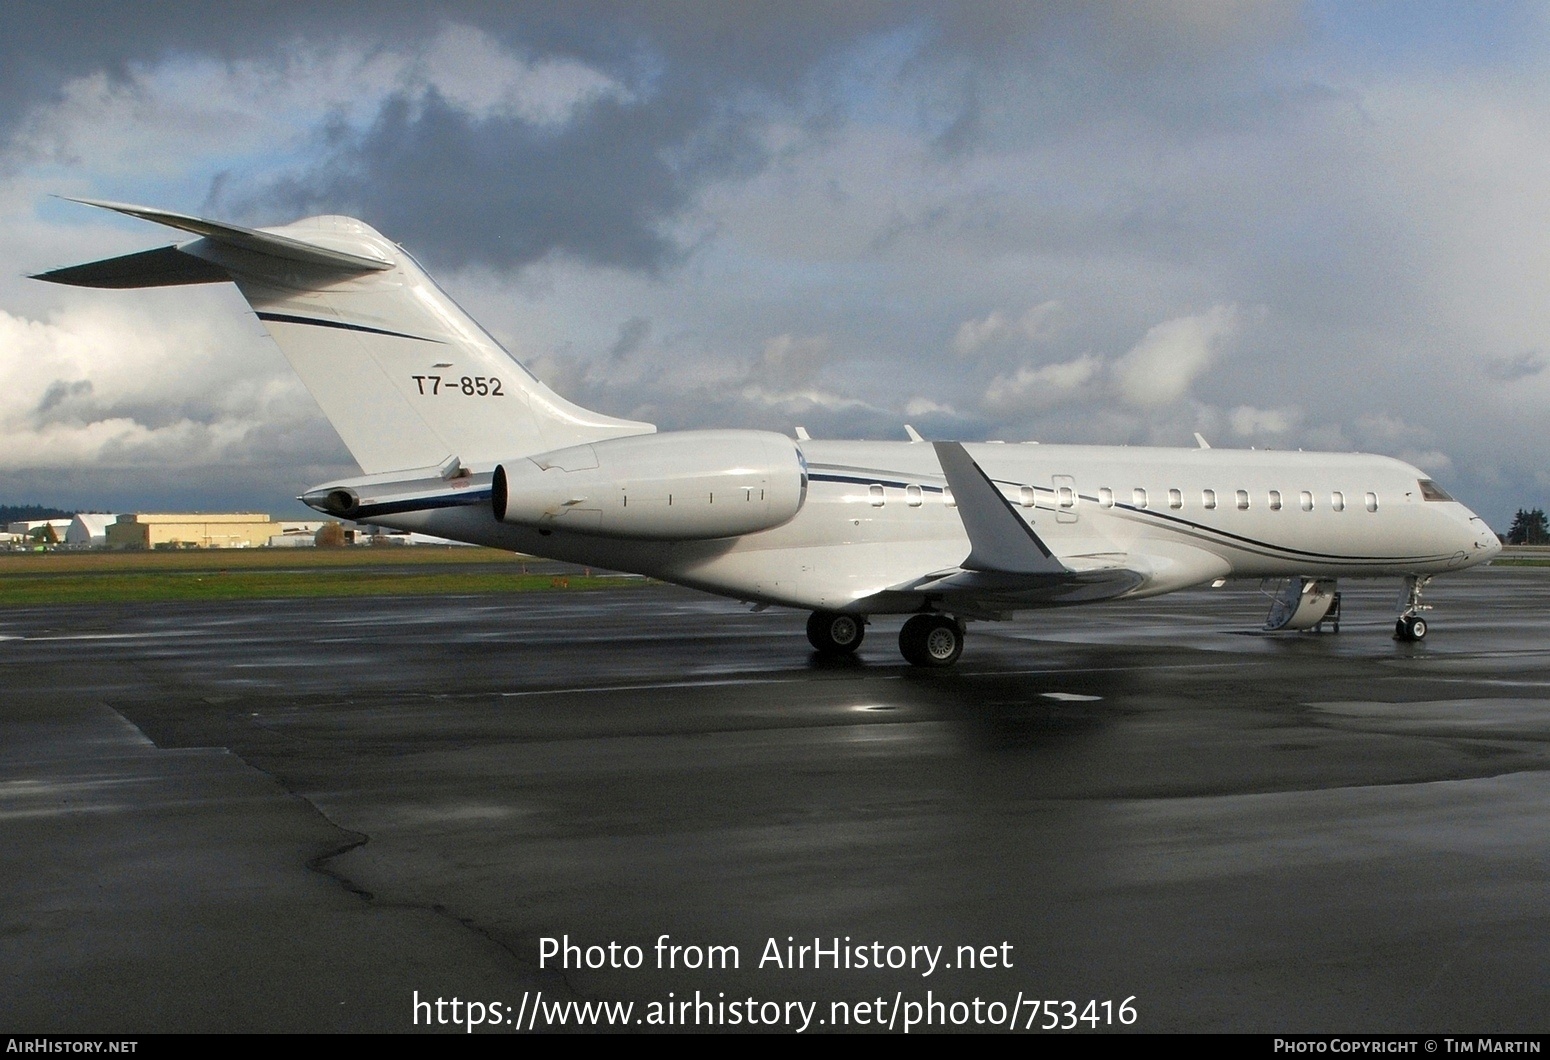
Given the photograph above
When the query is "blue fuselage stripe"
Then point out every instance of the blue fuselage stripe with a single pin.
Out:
(286, 318)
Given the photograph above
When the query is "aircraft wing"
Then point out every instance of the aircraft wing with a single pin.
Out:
(1009, 567)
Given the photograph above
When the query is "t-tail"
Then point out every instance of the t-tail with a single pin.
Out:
(407, 378)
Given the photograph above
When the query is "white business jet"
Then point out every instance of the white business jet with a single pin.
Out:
(456, 438)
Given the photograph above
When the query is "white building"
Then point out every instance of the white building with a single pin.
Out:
(296, 533)
(23, 528)
(89, 529)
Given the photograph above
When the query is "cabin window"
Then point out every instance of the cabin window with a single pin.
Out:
(876, 493)
(1275, 500)
(1430, 491)
(1027, 497)
(1208, 500)
(1243, 500)
(1337, 501)
(1372, 502)
(1138, 497)
(948, 498)
(912, 496)
(1065, 496)
(1106, 497)
(1306, 500)
(1175, 499)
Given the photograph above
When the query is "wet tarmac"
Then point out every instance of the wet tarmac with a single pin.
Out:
(302, 815)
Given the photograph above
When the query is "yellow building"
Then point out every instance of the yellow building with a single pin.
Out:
(192, 530)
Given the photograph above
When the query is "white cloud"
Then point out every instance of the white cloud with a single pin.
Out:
(99, 385)
(784, 377)
(1033, 326)
(1248, 421)
(1043, 386)
(473, 71)
(799, 400)
(1386, 428)
(972, 334)
(1161, 367)
(922, 406)
(158, 119)
(791, 361)
(1432, 461)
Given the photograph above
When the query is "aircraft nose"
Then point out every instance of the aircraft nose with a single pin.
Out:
(1487, 544)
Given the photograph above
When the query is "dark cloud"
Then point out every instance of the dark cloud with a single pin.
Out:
(215, 487)
(59, 391)
(633, 334)
(703, 80)
(1509, 369)
(43, 43)
(505, 192)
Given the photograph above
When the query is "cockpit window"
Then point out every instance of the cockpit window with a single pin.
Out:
(1430, 491)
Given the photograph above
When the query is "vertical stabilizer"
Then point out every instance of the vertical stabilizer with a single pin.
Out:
(405, 376)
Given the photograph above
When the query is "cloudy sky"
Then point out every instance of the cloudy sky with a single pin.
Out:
(1318, 225)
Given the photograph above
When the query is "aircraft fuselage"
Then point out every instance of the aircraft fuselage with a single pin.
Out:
(878, 517)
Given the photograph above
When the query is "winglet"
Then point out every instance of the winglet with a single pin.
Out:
(999, 539)
(913, 433)
(1201, 439)
(802, 435)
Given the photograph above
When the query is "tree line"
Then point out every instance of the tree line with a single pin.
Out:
(16, 513)
(1529, 527)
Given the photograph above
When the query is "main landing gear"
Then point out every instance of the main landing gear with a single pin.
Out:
(834, 632)
(931, 641)
(1410, 626)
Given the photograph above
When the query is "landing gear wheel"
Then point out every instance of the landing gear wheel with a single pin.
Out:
(1411, 626)
(835, 633)
(932, 641)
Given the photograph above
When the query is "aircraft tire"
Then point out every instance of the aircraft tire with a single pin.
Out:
(834, 632)
(931, 641)
(1410, 628)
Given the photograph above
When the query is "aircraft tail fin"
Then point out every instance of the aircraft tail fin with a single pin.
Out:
(405, 376)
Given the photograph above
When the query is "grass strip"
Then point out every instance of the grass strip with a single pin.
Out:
(227, 559)
(157, 587)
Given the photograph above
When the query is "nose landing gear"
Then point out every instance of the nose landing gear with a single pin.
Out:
(1410, 626)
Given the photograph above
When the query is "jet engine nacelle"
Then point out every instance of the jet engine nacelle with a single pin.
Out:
(682, 485)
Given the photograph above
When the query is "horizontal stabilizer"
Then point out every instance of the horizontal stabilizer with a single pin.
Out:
(163, 267)
(251, 239)
(999, 539)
